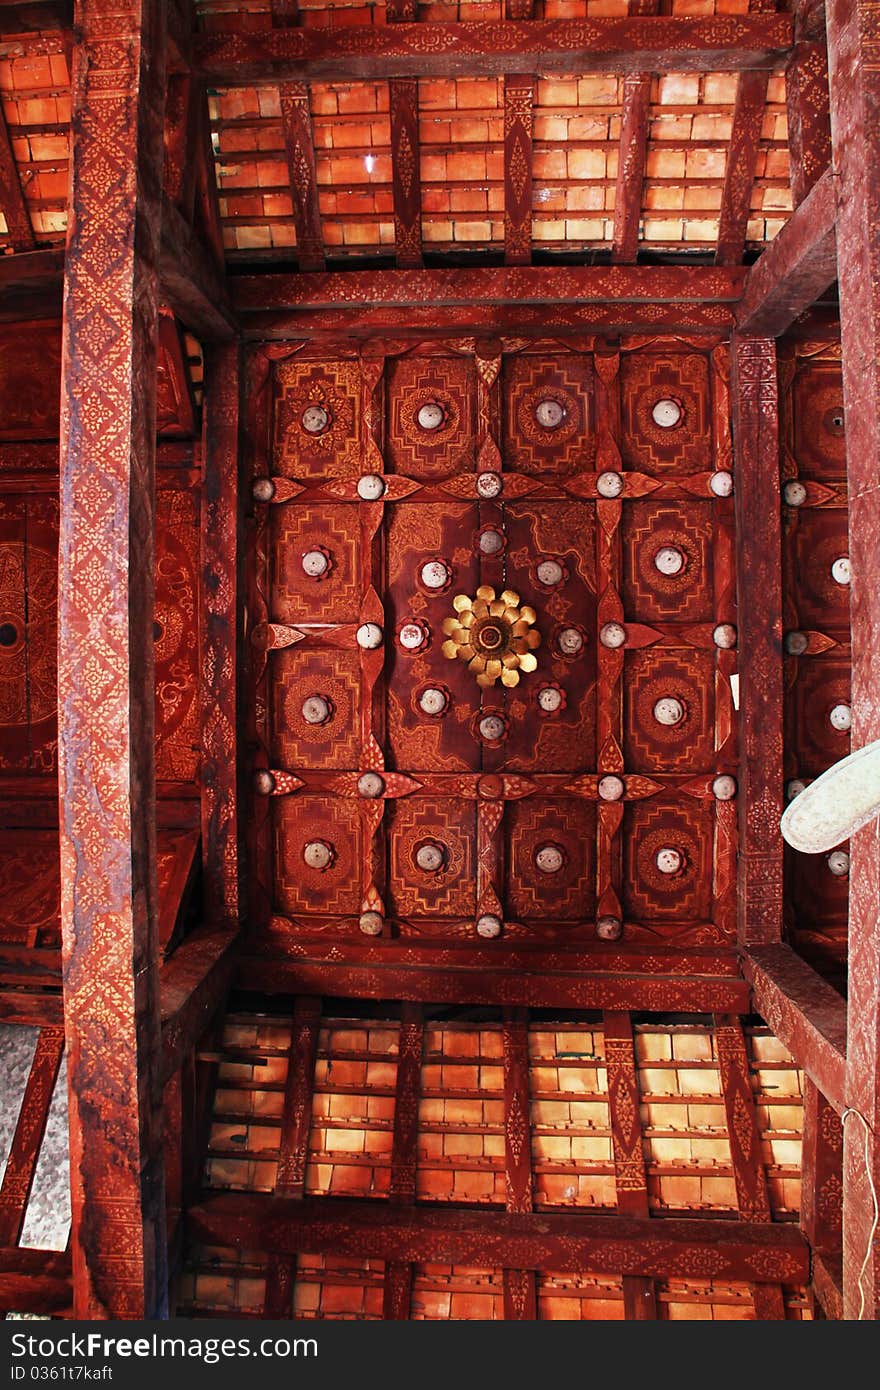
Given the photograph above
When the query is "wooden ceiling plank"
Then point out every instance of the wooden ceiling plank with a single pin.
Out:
(546, 1240)
(21, 1163)
(489, 48)
(795, 269)
(106, 743)
(405, 165)
(755, 404)
(299, 145)
(805, 1013)
(519, 93)
(853, 29)
(12, 200)
(296, 1125)
(739, 175)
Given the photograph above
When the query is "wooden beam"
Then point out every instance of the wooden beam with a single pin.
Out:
(220, 558)
(35, 1281)
(106, 689)
(405, 181)
(804, 1012)
(632, 156)
(821, 1218)
(193, 985)
(397, 1292)
(192, 283)
(520, 1294)
(519, 94)
(796, 268)
(299, 145)
(560, 1241)
(630, 1175)
(755, 402)
(739, 174)
(296, 1125)
(21, 1163)
(853, 30)
(487, 48)
(12, 199)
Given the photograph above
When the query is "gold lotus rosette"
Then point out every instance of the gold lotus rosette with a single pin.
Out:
(494, 635)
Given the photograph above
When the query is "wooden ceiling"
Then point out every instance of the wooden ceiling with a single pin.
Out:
(541, 164)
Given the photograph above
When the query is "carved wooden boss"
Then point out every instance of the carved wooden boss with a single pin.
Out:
(492, 632)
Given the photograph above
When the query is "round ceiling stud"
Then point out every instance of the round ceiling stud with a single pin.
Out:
(550, 858)
(549, 413)
(489, 485)
(370, 487)
(371, 923)
(369, 636)
(433, 701)
(795, 787)
(434, 574)
(570, 641)
(264, 782)
(669, 560)
(491, 541)
(431, 415)
(613, 635)
(609, 485)
(550, 573)
(794, 494)
(318, 854)
(610, 788)
(669, 860)
(263, 490)
(724, 787)
(370, 785)
(840, 718)
(840, 570)
(668, 711)
(315, 419)
(796, 643)
(724, 636)
(315, 564)
(491, 727)
(838, 862)
(721, 483)
(666, 413)
(430, 857)
(316, 709)
(489, 926)
(549, 699)
(609, 929)
(412, 636)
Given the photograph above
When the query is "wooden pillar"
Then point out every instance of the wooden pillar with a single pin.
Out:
(220, 560)
(822, 1195)
(755, 406)
(639, 1294)
(853, 29)
(105, 662)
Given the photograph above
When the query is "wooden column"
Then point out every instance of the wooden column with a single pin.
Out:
(853, 28)
(822, 1196)
(296, 1124)
(755, 404)
(397, 1295)
(220, 560)
(639, 1294)
(105, 662)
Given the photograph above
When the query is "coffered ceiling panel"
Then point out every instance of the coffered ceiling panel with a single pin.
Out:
(492, 631)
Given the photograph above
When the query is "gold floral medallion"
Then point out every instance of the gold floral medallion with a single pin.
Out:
(495, 636)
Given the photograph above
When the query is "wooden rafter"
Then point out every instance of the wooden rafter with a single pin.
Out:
(21, 1163)
(397, 1292)
(105, 623)
(547, 1240)
(624, 1105)
(739, 176)
(632, 153)
(12, 199)
(519, 1284)
(519, 92)
(299, 144)
(484, 48)
(796, 268)
(405, 182)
